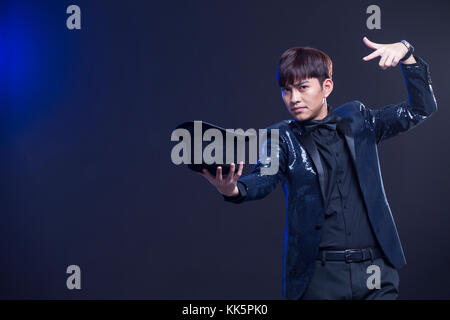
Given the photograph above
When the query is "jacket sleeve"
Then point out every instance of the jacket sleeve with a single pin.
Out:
(257, 185)
(393, 119)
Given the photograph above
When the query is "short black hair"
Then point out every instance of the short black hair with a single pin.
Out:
(299, 63)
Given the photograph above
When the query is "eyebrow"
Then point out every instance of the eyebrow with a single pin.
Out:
(304, 81)
(298, 83)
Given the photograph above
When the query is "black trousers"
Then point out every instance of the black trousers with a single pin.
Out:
(339, 280)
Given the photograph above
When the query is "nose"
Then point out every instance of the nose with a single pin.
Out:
(295, 96)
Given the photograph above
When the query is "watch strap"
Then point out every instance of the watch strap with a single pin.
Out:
(410, 50)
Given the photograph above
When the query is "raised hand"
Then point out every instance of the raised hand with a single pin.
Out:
(228, 185)
(390, 53)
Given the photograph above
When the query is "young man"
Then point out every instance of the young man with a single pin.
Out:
(340, 241)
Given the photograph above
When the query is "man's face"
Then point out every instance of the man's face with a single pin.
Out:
(306, 99)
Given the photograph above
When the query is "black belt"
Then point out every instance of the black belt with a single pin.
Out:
(350, 255)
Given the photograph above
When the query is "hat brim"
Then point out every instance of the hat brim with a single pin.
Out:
(212, 168)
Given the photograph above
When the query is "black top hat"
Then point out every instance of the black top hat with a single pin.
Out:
(197, 144)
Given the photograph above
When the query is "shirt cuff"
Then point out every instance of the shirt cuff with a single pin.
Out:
(419, 62)
(240, 197)
(421, 67)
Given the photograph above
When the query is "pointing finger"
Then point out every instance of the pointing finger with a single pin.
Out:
(373, 55)
(371, 44)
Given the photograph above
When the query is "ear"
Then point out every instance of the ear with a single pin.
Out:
(327, 87)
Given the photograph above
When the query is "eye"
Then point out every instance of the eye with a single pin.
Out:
(303, 86)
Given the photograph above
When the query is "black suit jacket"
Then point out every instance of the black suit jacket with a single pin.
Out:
(301, 175)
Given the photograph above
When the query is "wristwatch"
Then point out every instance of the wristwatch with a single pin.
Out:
(410, 50)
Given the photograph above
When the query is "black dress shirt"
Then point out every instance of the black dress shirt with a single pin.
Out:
(346, 224)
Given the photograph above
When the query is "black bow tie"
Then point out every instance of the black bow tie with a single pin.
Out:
(329, 122)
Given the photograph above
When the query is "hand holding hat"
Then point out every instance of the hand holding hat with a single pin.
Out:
(225, 185)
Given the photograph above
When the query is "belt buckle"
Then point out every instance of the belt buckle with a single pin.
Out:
(347, 255)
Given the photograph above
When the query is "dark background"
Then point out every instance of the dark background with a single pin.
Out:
(86, 119)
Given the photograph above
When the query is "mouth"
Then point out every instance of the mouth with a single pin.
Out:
(298, 109)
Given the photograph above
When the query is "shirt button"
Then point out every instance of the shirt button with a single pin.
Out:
(339, 180)
(349, 233)
(318, 226)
